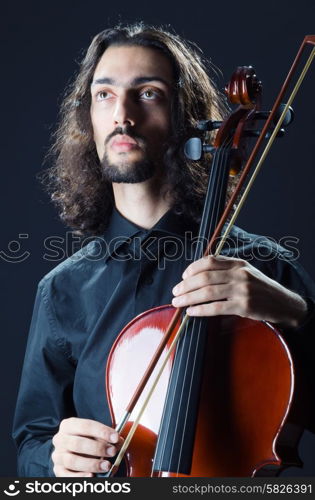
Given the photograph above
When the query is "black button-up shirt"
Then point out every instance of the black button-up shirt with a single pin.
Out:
(83, 304)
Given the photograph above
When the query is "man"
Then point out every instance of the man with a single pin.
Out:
(120, 173)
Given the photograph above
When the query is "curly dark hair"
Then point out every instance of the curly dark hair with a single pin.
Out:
(75, 181)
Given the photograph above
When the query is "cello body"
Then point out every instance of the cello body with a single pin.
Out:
(246, 392)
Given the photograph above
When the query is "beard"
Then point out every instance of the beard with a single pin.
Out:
(127, 171)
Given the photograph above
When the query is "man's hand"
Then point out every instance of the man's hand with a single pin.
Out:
(80, 446)
(224, 285)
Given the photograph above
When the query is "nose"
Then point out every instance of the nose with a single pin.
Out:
(124, 112)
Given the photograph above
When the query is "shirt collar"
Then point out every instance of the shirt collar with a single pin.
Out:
(120, 230)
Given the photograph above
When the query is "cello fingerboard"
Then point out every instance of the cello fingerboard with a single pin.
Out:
(178, 423)
(177, 433)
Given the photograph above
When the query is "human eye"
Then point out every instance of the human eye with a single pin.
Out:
(150, 94)
(103, 95)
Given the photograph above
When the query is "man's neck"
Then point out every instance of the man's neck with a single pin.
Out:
(142, 203)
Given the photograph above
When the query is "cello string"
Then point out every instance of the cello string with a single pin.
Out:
(192, 336)
(163, 445)
(213, 217)
(184, 340)
(185, 335)
(186, 413)
(216, 168)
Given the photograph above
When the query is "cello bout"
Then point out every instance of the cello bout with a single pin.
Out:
(246, 394)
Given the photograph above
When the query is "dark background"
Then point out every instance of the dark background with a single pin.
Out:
(41, 45)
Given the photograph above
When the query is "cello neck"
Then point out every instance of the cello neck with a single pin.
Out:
(214, 200)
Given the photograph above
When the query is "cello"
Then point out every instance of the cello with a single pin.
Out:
(225, 372)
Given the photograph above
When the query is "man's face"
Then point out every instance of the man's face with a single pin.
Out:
(130, 111)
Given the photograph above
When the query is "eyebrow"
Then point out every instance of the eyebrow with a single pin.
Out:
(136, 81)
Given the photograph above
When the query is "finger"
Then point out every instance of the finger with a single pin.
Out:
(89, 446)
(205, 294)
(60, 471)
(222, 308)
(77, 463)
(89, 428)
(210, 262)
(200, 280)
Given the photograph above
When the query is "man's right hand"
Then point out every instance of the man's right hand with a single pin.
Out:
(81, 445)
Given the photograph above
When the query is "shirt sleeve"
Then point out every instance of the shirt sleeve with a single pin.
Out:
(45, 394)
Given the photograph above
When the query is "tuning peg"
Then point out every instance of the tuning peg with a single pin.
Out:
(289, 116)
(194, 148)
(208, 125)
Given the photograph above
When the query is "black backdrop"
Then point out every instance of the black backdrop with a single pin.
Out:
(41, 44)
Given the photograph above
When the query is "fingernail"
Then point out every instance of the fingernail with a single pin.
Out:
(175, 290)
(114, 437)
(105, 466)
(111, 451)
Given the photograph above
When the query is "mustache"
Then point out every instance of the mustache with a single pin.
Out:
(126, 131)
